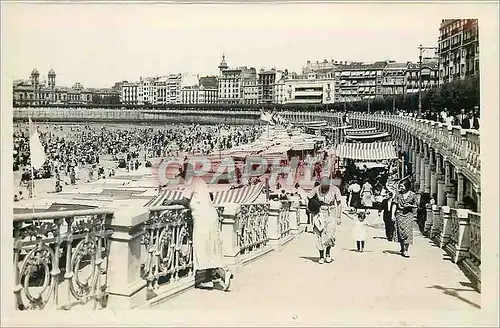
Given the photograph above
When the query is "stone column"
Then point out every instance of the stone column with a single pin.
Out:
(127, 289)
(433, 177)
(450, 194)
(478, 194)
(273, 227)
(441, 196)
(460, 189)
(423, 164)
(417, 169)
(293, 217)
(229, 235)
(462, 247)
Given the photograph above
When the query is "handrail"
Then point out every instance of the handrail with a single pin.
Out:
(59, 214)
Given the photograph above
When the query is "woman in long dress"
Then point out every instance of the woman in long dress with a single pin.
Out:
(367, 195)
(404, 213)
(208, 256)
(324, 226)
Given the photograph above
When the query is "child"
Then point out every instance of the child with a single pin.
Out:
(359, 231)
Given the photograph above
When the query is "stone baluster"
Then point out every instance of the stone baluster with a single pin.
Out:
(127, 289)
(230, 236)
(273, 226)
(417, 167)
(462, 247)
(432, 169)
(427, 167)
(445, 232)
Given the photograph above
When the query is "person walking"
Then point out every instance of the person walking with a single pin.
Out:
(367, 195)
(325, 205)
(359, 231)
(386, 208)
(208, 254)
(404, 213)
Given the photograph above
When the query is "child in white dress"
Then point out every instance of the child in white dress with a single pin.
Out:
(359, 231)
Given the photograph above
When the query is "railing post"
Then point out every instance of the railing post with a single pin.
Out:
(436, 221)
(428, 218)
(230, 235)
(127, 289)
(302, 214)
(462, 247)
(293, 217)
(445, 233)
(273, 227)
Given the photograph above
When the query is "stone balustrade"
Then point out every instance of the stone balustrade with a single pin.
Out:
(458, 232)
(131, 257)
(61, 259)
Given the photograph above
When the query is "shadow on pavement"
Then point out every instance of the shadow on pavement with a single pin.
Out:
(387, 251)
(455, 293)
(314, 259)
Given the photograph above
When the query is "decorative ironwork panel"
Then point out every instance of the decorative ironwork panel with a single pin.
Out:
(284, 218)
(475, 238)
(168, 240)
(252, 226)
(454, 227)
(60, 261)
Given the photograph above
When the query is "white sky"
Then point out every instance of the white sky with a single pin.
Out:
(99, 44)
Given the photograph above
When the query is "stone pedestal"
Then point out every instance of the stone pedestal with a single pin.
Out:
(462, 247)
(294, 218)
(273, 227)
(127, 289)
(229, 235)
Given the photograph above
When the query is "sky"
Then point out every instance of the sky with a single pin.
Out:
(100, 44)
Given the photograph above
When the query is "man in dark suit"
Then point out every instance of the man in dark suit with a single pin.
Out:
(470, 122)
(386, 206)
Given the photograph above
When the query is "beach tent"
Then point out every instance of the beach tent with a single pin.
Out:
(373, 151)
(242, 195)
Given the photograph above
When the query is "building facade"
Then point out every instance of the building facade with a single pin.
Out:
(311, 88)
(267, 81)
(204, 92)
(359, 81)
(394, 79)
(458, 49)
(237, 85)
(34, 92)
(430, 76)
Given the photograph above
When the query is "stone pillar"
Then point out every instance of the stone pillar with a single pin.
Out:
(478, 194)
(273, 227)
(433, 177)
(417, 170)
(293, 217)
(445, 233)
(428, 218)
(229, 235)
(462, 247)
(450, 193)
(423, 164)
(127, 289)
(441, 196)
(460, 189)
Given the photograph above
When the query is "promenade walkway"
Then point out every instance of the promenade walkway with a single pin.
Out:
(292, 287)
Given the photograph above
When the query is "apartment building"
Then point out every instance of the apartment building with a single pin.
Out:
(430, 75)
(237, 85)
(356, 81)
(311, 88)
(205, 91)
(394, 79)
(458, 49)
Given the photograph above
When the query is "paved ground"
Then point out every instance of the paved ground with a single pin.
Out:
(291, 284)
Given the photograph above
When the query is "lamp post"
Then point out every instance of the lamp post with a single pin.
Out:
(421, 51)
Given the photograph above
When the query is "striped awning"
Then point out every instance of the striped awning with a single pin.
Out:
(373, 151)
(243, 195)
(367, 136)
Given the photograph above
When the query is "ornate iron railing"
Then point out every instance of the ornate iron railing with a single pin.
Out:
(475, 238)
(168, 242)
(252, 226)
(454, 228)
(61, 258)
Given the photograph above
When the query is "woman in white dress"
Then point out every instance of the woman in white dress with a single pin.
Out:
(208, 254)
(327, 200)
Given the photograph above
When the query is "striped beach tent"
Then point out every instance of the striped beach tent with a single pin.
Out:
(242, 195)
(373, 151)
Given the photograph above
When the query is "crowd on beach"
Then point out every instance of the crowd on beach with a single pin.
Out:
(101, 150)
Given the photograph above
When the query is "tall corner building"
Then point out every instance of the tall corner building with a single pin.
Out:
(458, 49)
